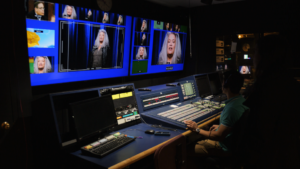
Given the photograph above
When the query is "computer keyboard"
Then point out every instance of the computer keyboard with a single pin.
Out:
(107, 145)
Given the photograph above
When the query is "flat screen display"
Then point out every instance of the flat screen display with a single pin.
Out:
(245, 70)
(157, 46)
(69, 43)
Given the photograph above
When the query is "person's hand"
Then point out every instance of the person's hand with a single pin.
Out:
(213, 128)
(191, 125)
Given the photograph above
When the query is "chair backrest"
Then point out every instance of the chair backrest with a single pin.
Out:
(172, 154)
(239, 134)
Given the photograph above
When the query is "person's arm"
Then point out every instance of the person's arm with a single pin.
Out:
(219, 135)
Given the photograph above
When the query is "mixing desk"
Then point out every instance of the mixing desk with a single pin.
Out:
(195, 110)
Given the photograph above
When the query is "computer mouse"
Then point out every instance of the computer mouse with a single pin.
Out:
(149, 131)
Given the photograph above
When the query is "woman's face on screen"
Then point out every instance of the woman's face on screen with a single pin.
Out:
(69, 10)
(171, 44)
(244, 69)
(89, 13)
(105, 15)
(101, 36)
(167, 25)
(41, 62)
(144, 24)
(141, 51)
(144, 36)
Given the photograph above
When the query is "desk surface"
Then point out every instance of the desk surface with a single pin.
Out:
(136, 147)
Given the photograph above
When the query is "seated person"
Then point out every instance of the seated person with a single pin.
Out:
(42, 65)
(38, 12)
(219, 137)
(142, 53)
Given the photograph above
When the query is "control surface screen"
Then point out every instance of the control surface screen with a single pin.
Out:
(124, 102)
(188, 89)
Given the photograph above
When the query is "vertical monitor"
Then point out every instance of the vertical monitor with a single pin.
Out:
(125, 106)
(69, 43)
(93, 116)
(203, 85)
(157, 47)
(215, 83)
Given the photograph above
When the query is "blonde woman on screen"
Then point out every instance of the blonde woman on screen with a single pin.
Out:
(144, 26)
(69, 12)
(171, 50)
(244, 70)
(120, 20)
(105, 18)
(141, 54)
(99, 55)
(42, 65)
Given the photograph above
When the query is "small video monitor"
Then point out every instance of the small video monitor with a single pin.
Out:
(203, 85)
(93, 116)
(188, 89)
(245, 70)
(215, 83)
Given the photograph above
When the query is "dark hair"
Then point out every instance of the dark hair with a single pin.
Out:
(36, 4)
(233, 80)
(273, 52)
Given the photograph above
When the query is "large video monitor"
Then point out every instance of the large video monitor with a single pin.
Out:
(157, 47)
(68, 43)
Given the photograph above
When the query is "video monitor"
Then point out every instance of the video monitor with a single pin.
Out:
(157, 47)
(215, 83)
(76, 43)
(93, 116)
(245, 70)
(203, 85)
(124, 102)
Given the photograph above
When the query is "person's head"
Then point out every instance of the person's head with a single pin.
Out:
(105, 18)
(171, 47)
(144, 36)
(171, 44)
(167, 25)
(39, 8)
(144, 25)
(141, 51)
(89, 13)
(270, 54)
(120, 20)
(102, 38)
(69, 12)
(232, 82)
(42, 64)
(176, 27)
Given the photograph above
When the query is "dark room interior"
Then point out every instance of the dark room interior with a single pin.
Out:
(140, 99)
